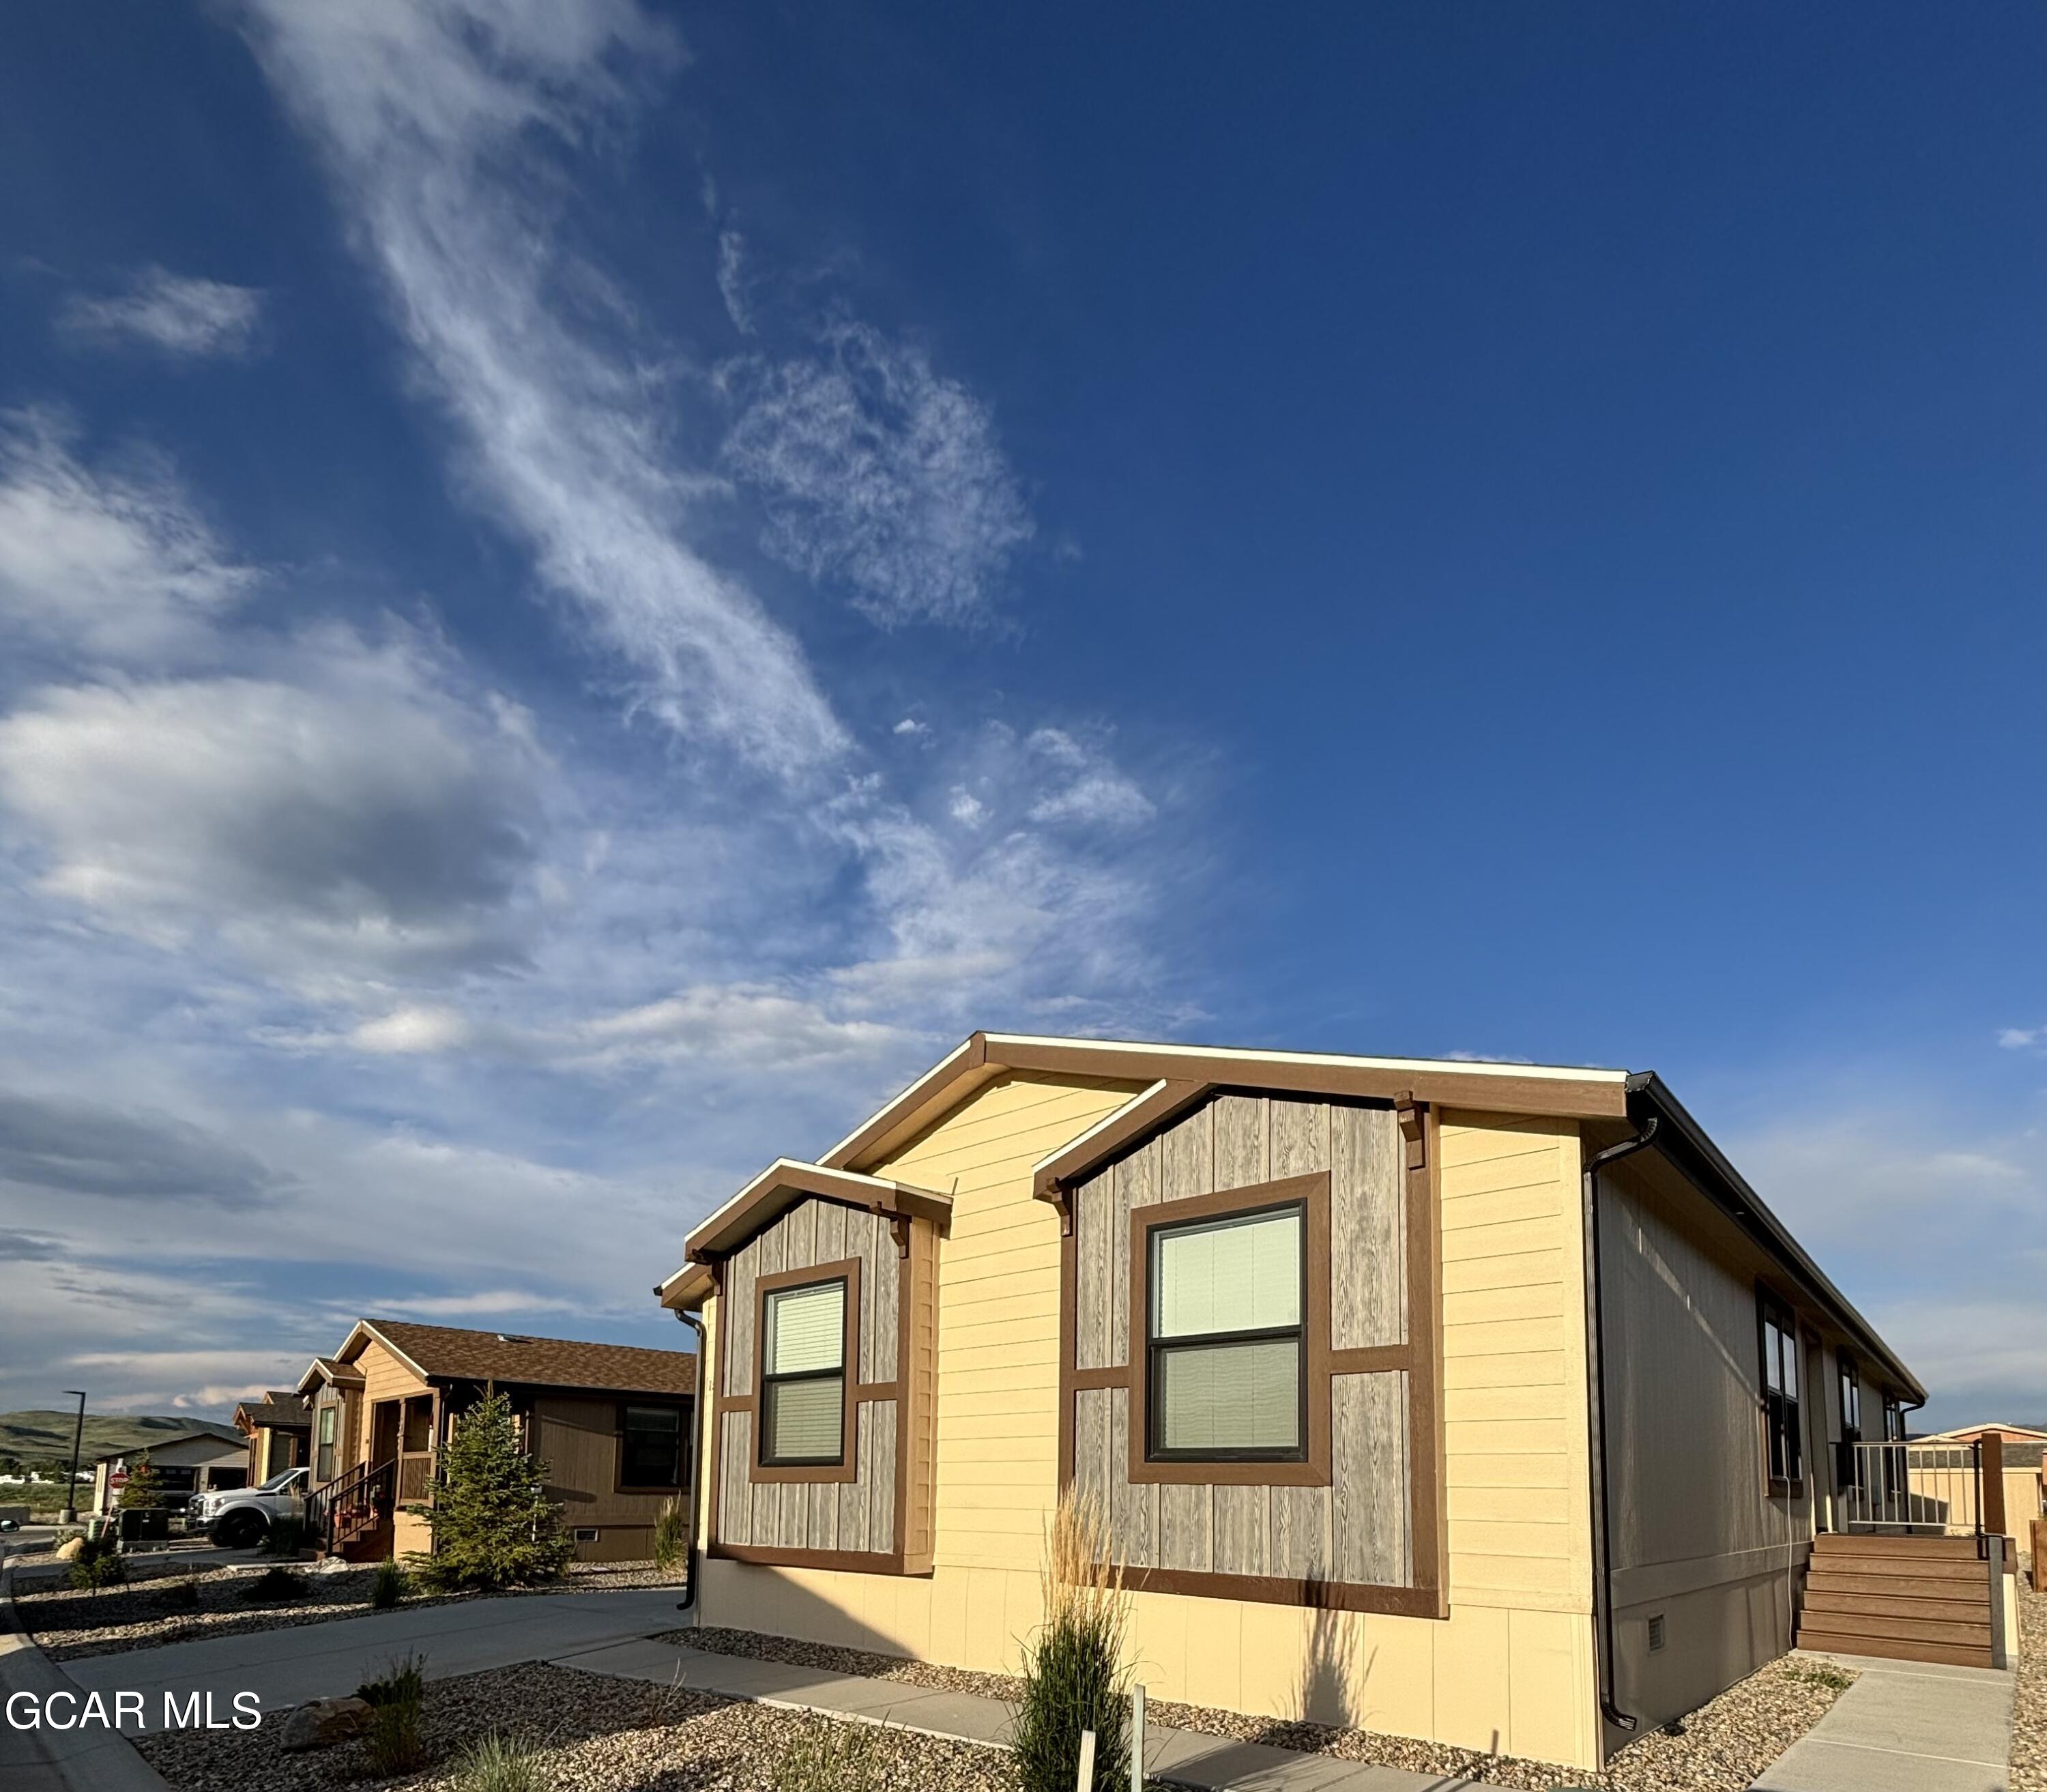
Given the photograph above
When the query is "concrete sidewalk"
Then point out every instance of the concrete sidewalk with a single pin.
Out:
(1906, 1726)
(286, 1667)
(1210, 1763)
(46, 1760)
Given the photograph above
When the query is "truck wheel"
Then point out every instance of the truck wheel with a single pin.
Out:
(240, 1531)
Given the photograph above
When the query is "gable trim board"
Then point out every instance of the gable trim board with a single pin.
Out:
(1534, 1088)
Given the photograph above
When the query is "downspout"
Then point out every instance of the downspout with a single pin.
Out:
(695, 1321)
(1603, 1525)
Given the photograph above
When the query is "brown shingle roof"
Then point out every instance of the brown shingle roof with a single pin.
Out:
(447, 1353)
(278, 1408)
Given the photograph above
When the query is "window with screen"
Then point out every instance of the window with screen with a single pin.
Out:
(650, 1448)
(803, 1379)
(1226, 1346)
(1780, 1389)
(324, 1462)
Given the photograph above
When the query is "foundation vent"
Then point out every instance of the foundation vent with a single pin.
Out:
(1656, 1633)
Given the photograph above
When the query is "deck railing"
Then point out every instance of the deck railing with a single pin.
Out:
(1920, 1489)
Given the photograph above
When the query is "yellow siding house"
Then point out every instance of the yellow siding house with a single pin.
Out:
(1474, 1402)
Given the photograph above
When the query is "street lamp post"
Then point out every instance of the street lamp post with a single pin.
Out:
(77, 1443)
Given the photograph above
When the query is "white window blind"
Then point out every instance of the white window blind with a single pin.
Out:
(807, 1329)
(804, 1418)
(1239, 1276)
(1232, 1397)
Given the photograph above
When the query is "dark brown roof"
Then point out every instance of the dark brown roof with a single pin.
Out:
(279, 1408)
(448, 1353)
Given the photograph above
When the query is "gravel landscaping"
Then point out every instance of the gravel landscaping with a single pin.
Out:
(141, 1614)
(597, 1735)
(2028, 1694)
(1720, 1747)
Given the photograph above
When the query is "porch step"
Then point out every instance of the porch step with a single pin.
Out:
(1891, 1648)
(1913, 1582)
(1923, 1598)
(1867, 1543)
(1890, 1604)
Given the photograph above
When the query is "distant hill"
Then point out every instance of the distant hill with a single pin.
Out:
(39, 1437)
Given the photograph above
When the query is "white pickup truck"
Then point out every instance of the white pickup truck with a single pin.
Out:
(241, 1517)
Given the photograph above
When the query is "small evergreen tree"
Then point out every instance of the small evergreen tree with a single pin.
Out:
(144, 1487)
(492, 1524)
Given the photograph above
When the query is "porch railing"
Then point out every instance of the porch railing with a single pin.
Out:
(1917, 1489)
(358, 1502)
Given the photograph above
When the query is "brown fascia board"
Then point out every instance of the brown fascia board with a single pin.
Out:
(1684, 1143)
(1568, 1094)
(1052, 1176)
(780, 1187)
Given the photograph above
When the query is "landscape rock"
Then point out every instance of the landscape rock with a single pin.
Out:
(322, 1723)
(68, 1550)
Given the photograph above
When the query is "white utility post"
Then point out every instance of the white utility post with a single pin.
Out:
(1084, 1780)
(1137, 1737)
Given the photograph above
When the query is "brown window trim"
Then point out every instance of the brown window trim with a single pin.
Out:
(1422, 1358)
(1311, 1193)
(847, 1468)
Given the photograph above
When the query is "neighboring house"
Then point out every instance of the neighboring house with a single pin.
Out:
(2020, 1447)
(1407, 1408)
(277, 1427)
(197, 1462)
(611, 1421)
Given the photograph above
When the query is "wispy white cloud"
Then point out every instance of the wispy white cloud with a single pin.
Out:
(485, 1302)
(117, 566)
(881, 474)
(2022, 1038)
(178, 313)
(732, 281)
(1089, 789)
(436, 122)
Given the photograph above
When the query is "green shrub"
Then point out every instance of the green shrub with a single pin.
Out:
(390, 1586)
(397, 1742)
(404, 1678)
(274, 1586)
(286, 1536)
(98, 1563)
(499, 1763)
(493, 1523)
(832, 1757)
(181, 1596)
(1075, 1677)
(671, 1532)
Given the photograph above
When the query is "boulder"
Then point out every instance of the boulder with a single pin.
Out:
(322, 1723)
(68, 1549)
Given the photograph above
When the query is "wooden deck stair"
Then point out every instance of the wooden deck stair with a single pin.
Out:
(1916, 1599)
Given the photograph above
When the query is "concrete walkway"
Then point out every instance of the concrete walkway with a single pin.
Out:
(1211, 1762)
(286, 1667)
(1906, 1726)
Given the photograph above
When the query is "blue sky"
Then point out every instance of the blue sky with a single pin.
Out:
(587, 588)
